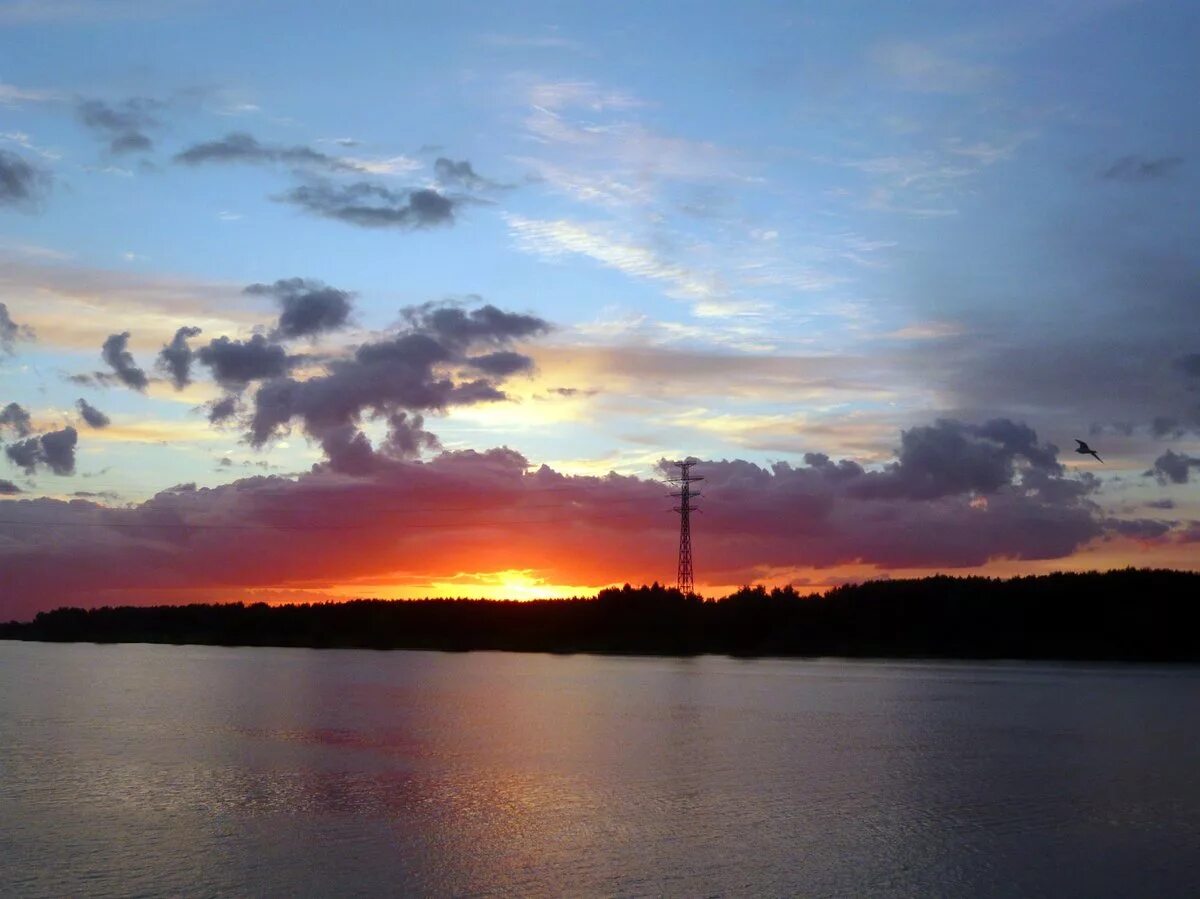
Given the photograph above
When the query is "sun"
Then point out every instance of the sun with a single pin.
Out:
(512, 583)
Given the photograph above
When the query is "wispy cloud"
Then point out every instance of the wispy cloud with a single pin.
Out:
(918, 67)
(711, 296)
(929, 183)
(12, 95)
(1142, 168)
(529, 42)
(32, 12)
(23, 140)
(76, 308)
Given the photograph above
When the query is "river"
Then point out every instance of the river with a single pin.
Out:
(158, 770)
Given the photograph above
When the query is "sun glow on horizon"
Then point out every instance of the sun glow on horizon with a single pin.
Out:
(520, 584)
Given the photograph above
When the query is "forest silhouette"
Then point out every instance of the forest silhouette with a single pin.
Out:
(1130, 614)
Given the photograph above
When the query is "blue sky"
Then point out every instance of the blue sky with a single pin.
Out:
(758, 230)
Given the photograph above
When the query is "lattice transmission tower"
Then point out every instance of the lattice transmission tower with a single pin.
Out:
(684, 579)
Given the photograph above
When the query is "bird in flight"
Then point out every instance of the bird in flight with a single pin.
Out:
(1086, 450)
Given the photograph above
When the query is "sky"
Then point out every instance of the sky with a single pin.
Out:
(313, 301)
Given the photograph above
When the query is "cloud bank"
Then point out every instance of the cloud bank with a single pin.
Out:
(956, 495)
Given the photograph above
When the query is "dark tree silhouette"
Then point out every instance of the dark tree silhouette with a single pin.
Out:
(1135, 615)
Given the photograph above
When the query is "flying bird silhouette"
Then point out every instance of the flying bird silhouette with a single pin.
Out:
(1087, 450)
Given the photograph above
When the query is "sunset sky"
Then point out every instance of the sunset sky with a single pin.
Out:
(318, 300)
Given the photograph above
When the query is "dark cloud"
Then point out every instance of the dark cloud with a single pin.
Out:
(25, 454)
(408, 372)
(94, 379)
(16, 419)
(235, 363)
(308, 307)
(950, 457)
(1165, 426)
(1138, 528)
(21, 184)
(449, 172)
(239, 147)
(348, 450)
(373, 205)
(8, 488)
(93, 416)
(1190, 365)
(1173, 468)
(1142, 168)
(55, 450)
(407, 437)
(175, 358)
(501, 364)
(124, 124)
(114, 352)
(1161, 504)
(58, 450)
(223, 409)
(398, 516)
(457, 327)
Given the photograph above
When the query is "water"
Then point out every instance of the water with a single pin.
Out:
(144, 770)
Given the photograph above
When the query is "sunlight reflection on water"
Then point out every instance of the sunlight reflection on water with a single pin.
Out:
(198, 770)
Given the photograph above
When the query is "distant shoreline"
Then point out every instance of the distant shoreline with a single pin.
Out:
(1130, 615)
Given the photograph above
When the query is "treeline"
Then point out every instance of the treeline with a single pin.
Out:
(1134, 615)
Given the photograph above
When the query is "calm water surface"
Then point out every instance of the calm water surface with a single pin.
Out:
(150, 770)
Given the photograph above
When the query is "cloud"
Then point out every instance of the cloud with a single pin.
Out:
(407, 437)
(235, 363)
(11, 332)
(15, 419)
(1166, 426)
(124, 124)
(407, 372)
(552, 239)
(8, 488)
(950, 457)
(461, 173)
(486, 324)
(1148, 529)
(524, 42)
(58, 450)
(11, 95)
(21, 185)
(501, 364)
(372, 205)
(1173, 468)
(223, 409)
(1189, 365)
(1141, 168)
(239, 147)
(175, 358)
(93, 416)
(121, 360)
(78, 307)
(26, 12)
(915, 67)
(55, 450)
(402, 519)
(557, 95)
(307, 307)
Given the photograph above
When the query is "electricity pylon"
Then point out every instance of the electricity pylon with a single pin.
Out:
(684, 581)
